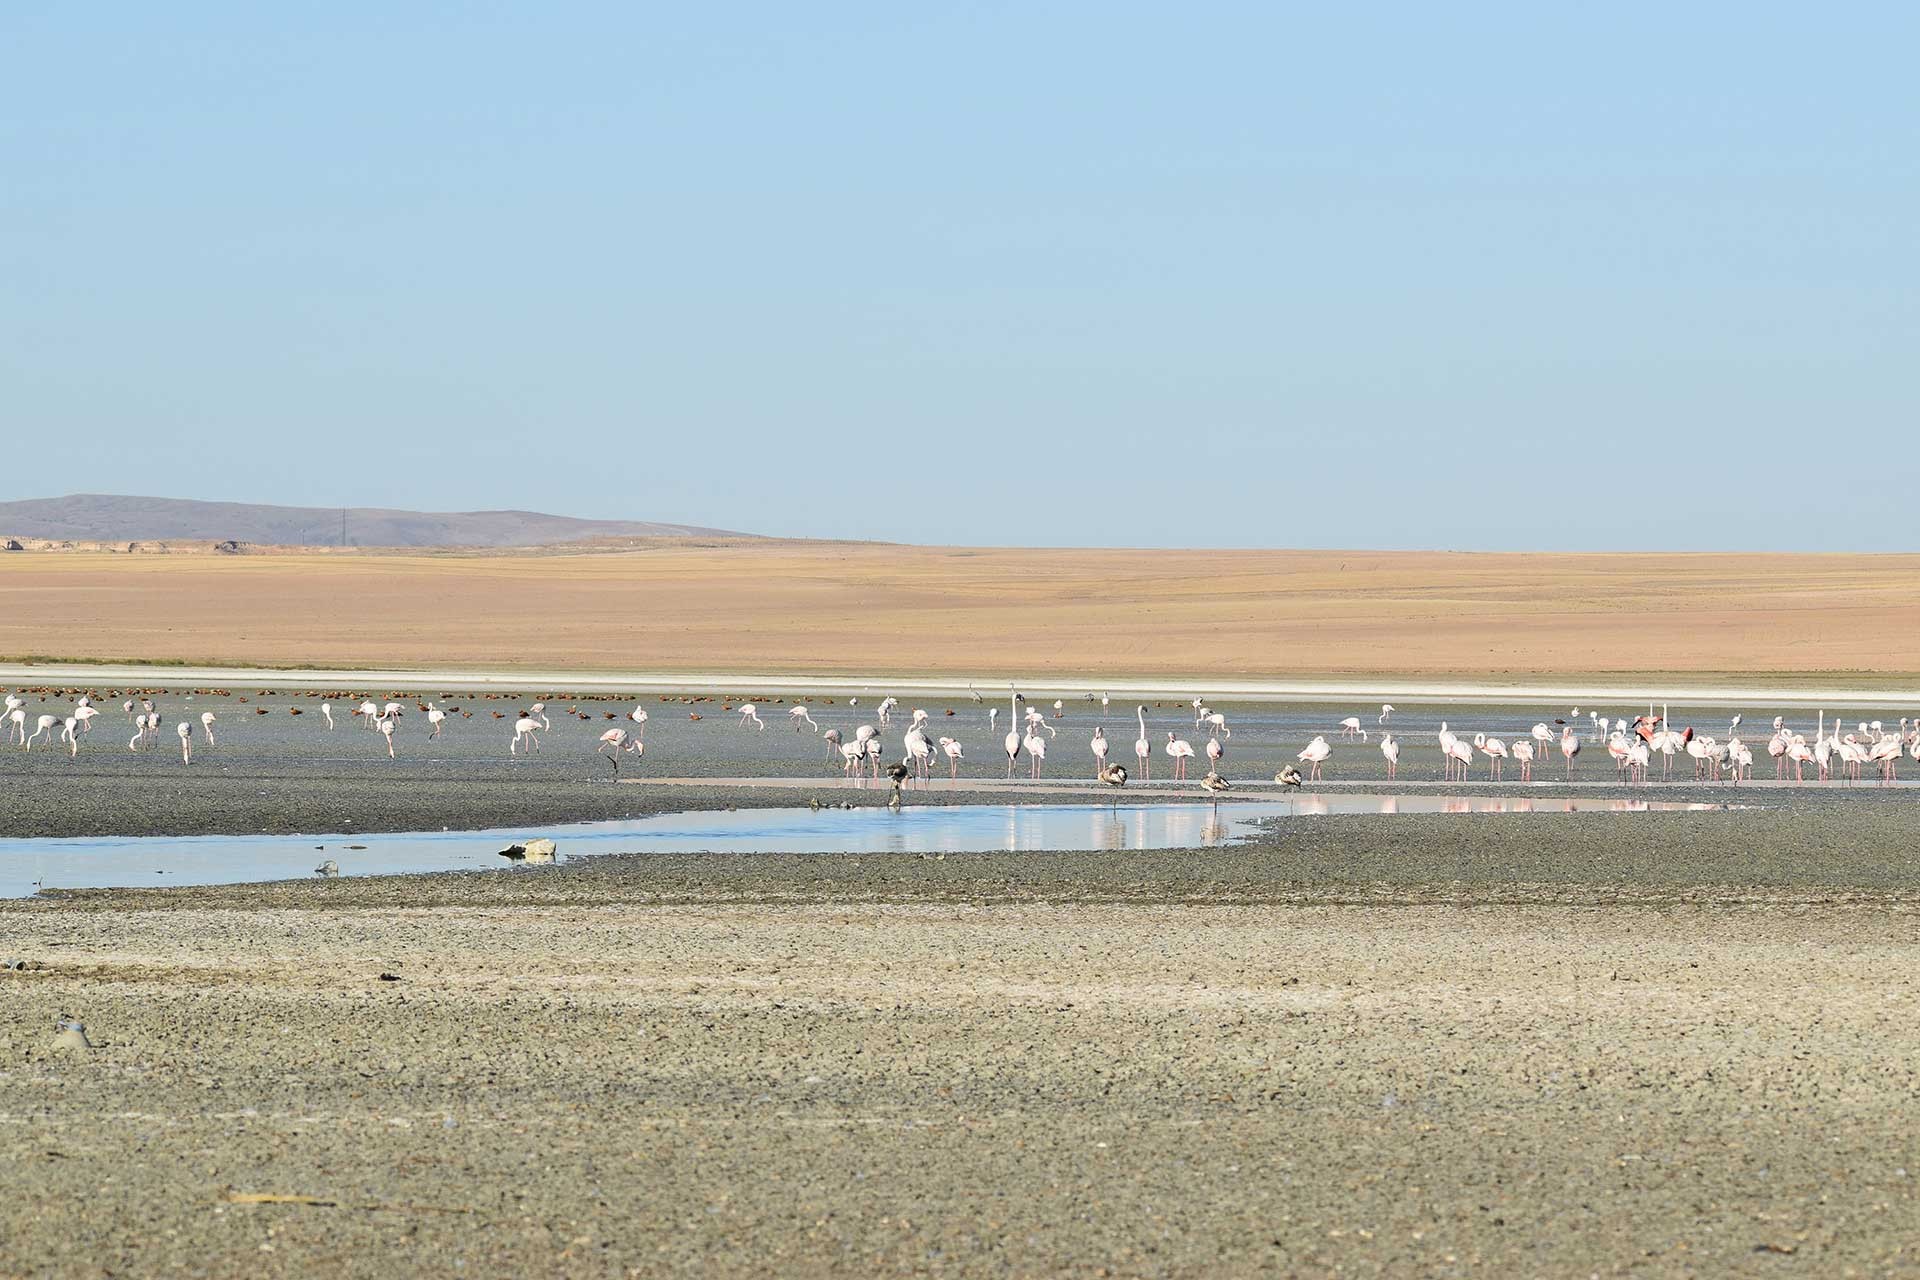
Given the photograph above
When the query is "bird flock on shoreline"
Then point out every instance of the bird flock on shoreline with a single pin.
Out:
(1634, 744)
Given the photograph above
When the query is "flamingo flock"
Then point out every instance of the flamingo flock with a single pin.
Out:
(1636, 744)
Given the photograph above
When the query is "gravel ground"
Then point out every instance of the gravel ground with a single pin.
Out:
(1664, 1044)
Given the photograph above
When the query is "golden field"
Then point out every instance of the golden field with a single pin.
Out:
(822, 608)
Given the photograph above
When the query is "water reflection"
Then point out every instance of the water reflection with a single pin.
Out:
(931, 829)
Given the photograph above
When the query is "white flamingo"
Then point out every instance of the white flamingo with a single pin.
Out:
(206, 727)
(1350, 728)
(386, 731)
(326, 710)
(1036, 748)
(524, 735)
(853, 759)
(43, 725)
(919, 752)
(437, 718)
(1523, 756)
(1143, 749)
(1494, 750)
(1315, 755)
(1386, 711)
(1569, 747)
(1099, 745)
(951, 747)
(750, 715)
(1390, 748)
(639, 717)
(1182, 751)
(1012, 740)
(185, 731)
(798, 715)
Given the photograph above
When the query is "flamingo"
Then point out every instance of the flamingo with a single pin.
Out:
(42, 725)
(185, 731)
(952, 749)
(1777, 747)
(1523, 756)
(1012, 741)
(1569, 747)
(369, 710)
(1182, 751)
(1390, 748)
(1214, 752)
(1445, 739)
(1036, 749)
(206, 727)
(832, 737)
(437, 718)
(1495, 751)
(1315, 755)
(750, 714)
(1542, 739)
(885, 711)
(852, 757)
(386, 731)
(1800, 755)
(326, 710)
(1143, 749)
(1638, 753)
(523, 731)
(798, 715)
(1350, 728)
(1099, 745)
(639, 717)
(17, 717)
(1886, 753)
(919, 751)
(1386, 711)
(83, 715)
(1214, 722)
(873, 756)
(1461, 752)
(620, 740)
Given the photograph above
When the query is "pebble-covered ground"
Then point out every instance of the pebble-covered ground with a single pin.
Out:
(1650, 1044)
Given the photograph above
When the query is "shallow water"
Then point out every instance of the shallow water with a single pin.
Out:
(28, 865)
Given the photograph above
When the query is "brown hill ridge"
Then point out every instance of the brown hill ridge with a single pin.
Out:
(109, 522)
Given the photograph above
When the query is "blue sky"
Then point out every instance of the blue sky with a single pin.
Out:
(1076, 274)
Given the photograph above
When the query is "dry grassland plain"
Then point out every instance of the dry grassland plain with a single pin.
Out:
(809, 608)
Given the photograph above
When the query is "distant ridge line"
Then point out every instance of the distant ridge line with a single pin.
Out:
(121, 518)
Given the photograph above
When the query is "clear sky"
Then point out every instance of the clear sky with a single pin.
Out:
(1516, 276)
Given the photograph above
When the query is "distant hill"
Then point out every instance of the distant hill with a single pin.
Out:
(94, 517)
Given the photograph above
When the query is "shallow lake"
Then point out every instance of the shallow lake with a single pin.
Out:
(27, 865)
